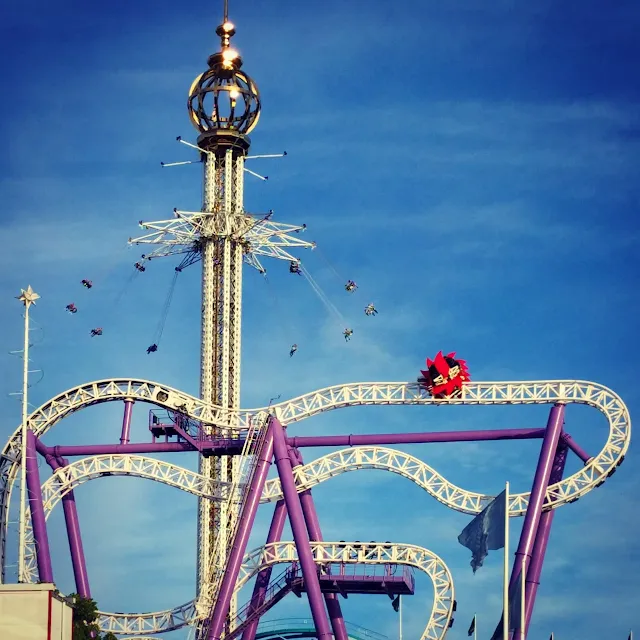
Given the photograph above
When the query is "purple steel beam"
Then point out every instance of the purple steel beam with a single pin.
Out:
(576, 448)
(224, 446)
(315, 534)
(262, 581)
(106, 449)
(315, 441)
(300, 535)
(126, 422)
(73, 533)
(538, 494)
(38, 522)
(246, 519)
(542, 537)
(414, 438)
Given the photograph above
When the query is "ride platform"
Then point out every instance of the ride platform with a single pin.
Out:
(392, 580)
(171, 426)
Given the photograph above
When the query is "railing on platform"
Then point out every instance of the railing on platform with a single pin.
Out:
(370, 570)
(293, 625)
(291, 577)
(164, 422)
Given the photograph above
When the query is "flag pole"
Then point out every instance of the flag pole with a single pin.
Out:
(475, 626)
(505, 577)
(400, 615)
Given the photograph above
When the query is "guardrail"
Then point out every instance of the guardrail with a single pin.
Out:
(282, 625)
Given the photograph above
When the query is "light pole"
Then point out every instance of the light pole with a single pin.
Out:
(27, 297)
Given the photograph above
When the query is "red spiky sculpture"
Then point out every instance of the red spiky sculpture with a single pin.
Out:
(444, 376)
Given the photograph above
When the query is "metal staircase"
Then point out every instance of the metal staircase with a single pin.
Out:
(277, 589)
(237, 495)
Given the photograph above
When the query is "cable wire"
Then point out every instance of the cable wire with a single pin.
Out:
(165, 309)
(322, 295)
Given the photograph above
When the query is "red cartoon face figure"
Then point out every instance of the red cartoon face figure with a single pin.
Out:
(444, 376)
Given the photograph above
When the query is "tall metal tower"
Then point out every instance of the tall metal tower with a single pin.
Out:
(224, 106)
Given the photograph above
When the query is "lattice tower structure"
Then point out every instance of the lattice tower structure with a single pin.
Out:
(222, 258)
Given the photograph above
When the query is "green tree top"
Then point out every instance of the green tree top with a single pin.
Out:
(85, 614)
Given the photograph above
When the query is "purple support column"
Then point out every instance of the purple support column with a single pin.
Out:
(538, 493)
(40, 536)
(262, 581)
(542, 537)
(315, 534)
(300, 536)
(126, 422)
(246, 519)
(73, 534)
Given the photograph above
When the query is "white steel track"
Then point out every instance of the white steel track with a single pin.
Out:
(370, 553)
(568, 490)
(327, 399)
(64, 479)
(366, 553)
(307, 476)
(355, 394)
(404, 464)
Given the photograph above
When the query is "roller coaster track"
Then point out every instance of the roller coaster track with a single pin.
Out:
(85, 469)
(546, 392)
(307, 476)
(368, 553)
(323, 552)
(65, 478)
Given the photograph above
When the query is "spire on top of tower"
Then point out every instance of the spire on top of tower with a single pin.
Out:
(224, 101)
(227, 29)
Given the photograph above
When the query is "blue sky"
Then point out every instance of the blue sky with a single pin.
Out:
(471, 165)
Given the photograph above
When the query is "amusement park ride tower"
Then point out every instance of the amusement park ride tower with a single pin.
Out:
(224, 106)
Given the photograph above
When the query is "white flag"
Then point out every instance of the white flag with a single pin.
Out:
(486, 531)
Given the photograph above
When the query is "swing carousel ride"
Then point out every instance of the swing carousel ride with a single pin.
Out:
(236, 446)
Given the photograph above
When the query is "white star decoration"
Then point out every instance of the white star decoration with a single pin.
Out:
(28, 296)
